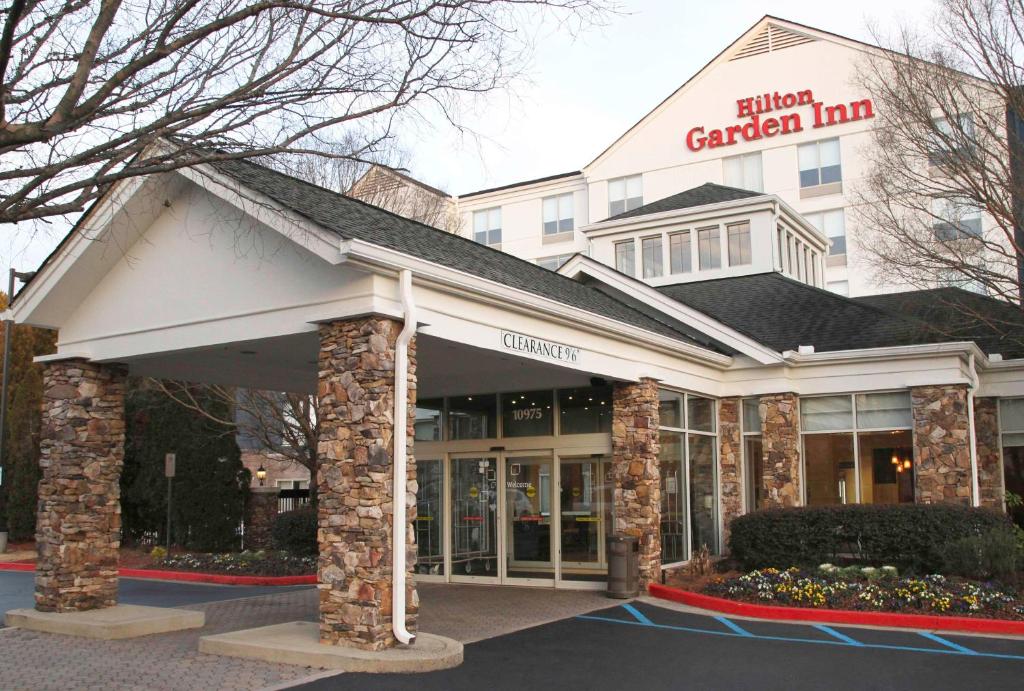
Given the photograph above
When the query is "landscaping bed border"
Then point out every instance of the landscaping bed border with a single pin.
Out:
(189, 576)
(839, 616)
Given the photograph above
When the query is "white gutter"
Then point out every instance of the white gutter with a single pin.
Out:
(399, 529)
(972, 438)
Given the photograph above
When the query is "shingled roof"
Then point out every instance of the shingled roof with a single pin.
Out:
(708, 193)
(784, 314)
(354, 219)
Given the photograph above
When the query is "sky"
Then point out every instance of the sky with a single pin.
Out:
(579, 93)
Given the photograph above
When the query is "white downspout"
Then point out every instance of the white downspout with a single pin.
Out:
(399, 528)
(972, 440)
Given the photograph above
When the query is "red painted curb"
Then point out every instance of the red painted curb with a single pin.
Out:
(839, 616)
(190, 576)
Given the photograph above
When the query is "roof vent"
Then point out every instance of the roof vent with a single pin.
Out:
(806, 350)
(771, 37)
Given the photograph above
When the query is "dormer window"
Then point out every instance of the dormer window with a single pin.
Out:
(709, 248)
(650, 254)
(739, 243)
(625, 257)
(679, 253)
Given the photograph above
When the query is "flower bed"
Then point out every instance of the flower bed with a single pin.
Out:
(248, 563)
(869, 589)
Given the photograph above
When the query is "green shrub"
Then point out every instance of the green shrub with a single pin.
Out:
(911, 537)
(295, 531)
(990, 555)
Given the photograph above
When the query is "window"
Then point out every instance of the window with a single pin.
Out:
(428, 419)
(625, 257)
(709, 248)
(819, 163)
(739, 243)
(744, 172)
(679, 253)
(832, 224)
(689, 475)
(949, 142)
(650, 255)
(527, 414)
(839, 287)
(487, 226)
(625, 194)
(558, 214)
(1011, 424)
(753, 453)
(430, 517)
(554, 263)
(955, 219)
(585, 410)
(858, 448)
(473, 417)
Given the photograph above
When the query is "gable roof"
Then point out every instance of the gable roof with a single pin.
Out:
(785, 314)
(352, 219)
(708, 193)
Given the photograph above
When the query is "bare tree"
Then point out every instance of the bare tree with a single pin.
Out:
(941, 201)
(280, 423)
(88, 88)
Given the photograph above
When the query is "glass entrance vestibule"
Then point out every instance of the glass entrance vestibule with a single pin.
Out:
(515, 488)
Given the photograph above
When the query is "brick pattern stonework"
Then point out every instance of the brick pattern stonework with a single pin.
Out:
(355, 404)
(989, 450)
(781, 438)
(260, 512)
(637, 495)
(942, 458)
(78, 527)
(730, 444)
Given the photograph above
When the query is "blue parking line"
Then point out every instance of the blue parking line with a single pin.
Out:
(949, 644)
(740, 631)
(952, 649)
(838, 634)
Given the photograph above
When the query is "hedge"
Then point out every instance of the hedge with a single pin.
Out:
(295, 531)
(910, 536)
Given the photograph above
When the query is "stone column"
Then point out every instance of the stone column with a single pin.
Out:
(355, 405)
(78, 526)
(989, 452)
(942, 457)
(637, 476)
(730, 441)
(260, 512)
(781, 438)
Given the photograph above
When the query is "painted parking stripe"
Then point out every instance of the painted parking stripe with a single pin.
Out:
(740, 631)
(637, 614)
(838, 634)
(791, 639)
(949, 644)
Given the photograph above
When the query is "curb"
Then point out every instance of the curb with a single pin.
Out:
(188, 576)
(928, 622)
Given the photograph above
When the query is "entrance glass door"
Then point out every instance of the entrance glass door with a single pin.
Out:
(474, 516)
(585, 504)
(528, 532)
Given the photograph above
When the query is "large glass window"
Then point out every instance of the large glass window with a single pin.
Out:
(689, 475)
(428, 419)
(858, 448)
(744, 172)
(585, 410)
(709, 248)
(625, 194)
(832, 224)
(473, 417)
(625, 257)
(753, 453)
(679, 252)
(650, 254)
(558, 214)
(487, 226)
(527, 414)
(739, 243)
(951, 143)
(1011, 424)
(955, 219)
(819, 163)
(430, 517)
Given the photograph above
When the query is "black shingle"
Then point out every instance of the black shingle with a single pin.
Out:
(353, 219)
(708, 193)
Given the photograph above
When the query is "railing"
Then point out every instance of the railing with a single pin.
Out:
(291, 499)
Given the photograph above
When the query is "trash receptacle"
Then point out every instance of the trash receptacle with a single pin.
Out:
(623, 566)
